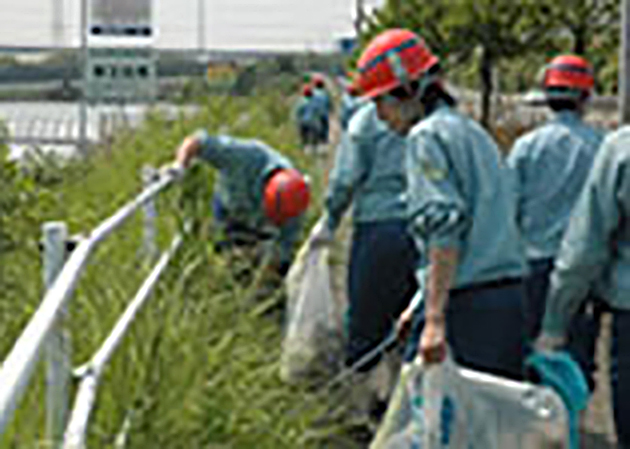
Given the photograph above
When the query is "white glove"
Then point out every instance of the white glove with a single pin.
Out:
(548, 343)
(321, 234)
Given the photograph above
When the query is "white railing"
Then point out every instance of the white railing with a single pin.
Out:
(45, 329)
(91, 372)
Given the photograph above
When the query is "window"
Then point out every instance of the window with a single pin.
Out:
(128, 71)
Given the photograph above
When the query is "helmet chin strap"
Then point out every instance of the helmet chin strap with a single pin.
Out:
(411, 110)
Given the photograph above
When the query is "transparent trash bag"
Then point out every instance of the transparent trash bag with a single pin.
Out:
(445, 406)
(313, 338)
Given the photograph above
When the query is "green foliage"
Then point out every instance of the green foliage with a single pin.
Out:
(8, 61)
(515, 37)
(199, 366)
(589, 22)
(457, 29)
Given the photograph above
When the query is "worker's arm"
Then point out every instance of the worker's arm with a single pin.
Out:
(187, 151)
(439, 219)
(348, 172)
(517, 163)
(289, 234)
(298, 110)
(219, 151)
(442, 269)
(588, 245)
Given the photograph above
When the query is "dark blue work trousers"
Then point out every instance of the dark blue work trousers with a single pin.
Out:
(381, 282)
(484, 327)
(620, 375)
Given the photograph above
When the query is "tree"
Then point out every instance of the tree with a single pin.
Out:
(586, 20)
(593, 27)
(455, 29)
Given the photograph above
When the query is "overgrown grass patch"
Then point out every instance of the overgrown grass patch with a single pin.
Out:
(199, 366)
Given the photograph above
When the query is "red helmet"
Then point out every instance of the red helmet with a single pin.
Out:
(351, 90)
(569, 71)
(307, 90)
(318, 81)
(286, 195)
(393, 58)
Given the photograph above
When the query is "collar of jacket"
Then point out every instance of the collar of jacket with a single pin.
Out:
(435, 106)
(566, 117)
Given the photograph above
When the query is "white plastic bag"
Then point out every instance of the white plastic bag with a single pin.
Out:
(314, 328)
(446, 406)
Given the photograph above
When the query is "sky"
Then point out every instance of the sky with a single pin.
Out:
(229, 24)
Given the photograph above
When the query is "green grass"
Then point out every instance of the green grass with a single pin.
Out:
(199, 368)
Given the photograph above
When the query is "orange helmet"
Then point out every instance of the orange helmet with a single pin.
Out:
(286, 195)
(569, 72)
(393, 58)
(307, 90)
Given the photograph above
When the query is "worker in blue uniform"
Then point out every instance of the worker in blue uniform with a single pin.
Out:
(461, 209)
(550, 165)
(258, 193)
(595, 256)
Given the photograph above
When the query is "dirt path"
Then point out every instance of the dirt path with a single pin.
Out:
(599, 432)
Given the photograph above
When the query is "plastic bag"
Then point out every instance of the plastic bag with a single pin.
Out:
(446, 406)
(314, 331)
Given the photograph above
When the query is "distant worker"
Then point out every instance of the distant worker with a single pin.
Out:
(550, 165)
(595, 253)
(324, 102)
(369, 174)
(308, 120)
(461, 210)
(258, 194)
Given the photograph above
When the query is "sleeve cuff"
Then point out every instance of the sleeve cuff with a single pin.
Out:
(332, 223)
(554, 325)
(201, 135)
(206, 142)
(444, 242)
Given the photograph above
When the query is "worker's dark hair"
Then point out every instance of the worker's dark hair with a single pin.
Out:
(571, 102)
(432, 93)
(562, 104)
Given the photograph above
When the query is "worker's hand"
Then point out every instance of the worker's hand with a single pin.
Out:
(548, 343)
(321, 234)
(405, 322)
(174, 170)
(188, 150)
(432, 347)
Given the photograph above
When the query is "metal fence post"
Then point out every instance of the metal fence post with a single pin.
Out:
(58, 356)
(149, 232)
